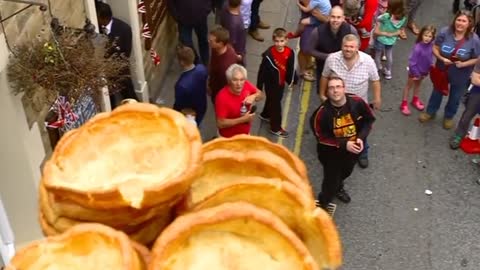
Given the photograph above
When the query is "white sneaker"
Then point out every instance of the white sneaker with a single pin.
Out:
(388, 74)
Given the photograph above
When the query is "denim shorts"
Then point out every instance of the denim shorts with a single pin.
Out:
(380, 46)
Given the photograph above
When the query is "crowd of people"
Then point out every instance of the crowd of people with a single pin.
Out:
(350, 45)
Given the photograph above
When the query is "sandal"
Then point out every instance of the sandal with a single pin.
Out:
(308, 77)
(414, 28)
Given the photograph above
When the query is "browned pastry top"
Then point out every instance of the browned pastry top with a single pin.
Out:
(137, 155)
(230, 236)
(84, 247)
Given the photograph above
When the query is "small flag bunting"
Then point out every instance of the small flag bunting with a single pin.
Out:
(141, 7)
(155, 57)
(146, 33)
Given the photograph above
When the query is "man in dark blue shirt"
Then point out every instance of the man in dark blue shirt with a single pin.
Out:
(191, 87)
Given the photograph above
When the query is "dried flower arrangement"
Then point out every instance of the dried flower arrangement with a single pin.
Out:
(70, 63)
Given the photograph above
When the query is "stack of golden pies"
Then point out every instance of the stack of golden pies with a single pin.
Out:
(85, 246)
(240, 203)
(256, 182)
(125, 169)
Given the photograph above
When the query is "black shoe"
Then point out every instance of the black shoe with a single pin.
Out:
(468, 5)
(456, 6)
(343, 196)
(363, 162)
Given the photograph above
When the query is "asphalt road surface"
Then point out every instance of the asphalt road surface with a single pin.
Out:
(391, 223)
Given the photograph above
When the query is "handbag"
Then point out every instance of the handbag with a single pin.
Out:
(439, 76)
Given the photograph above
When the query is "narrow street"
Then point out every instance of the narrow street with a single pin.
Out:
(391, 223)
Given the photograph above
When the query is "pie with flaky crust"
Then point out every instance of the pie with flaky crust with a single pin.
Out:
(144, 233)
(311, 224)
(84, 247)
(230, 236)
(224, 165)
(137, 156)
(252, 144)
(55, 206)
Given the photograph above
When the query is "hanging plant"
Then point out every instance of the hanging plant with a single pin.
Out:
(70, 63)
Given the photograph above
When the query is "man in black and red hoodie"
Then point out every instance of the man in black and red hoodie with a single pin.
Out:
(341, 125)
(276, 70)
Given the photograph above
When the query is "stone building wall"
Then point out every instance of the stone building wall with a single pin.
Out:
(29, 23)
(22, 149)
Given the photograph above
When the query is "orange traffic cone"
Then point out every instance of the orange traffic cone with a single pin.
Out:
(471, 143)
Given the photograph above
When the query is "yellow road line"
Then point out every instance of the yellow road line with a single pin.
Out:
(307, 88)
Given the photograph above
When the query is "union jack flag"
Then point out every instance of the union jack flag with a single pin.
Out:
(66, 116)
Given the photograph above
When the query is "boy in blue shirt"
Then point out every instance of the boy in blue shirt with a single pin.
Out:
(191, 87)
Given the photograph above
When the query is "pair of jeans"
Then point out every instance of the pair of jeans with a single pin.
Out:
(201, 30)
(466, 3)
(364, 153)
(457, 90)
(337, 165)
(335, 3)
(218, 6)
(255, 16)
(471, 109)
(379, 50)
(412, 7)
